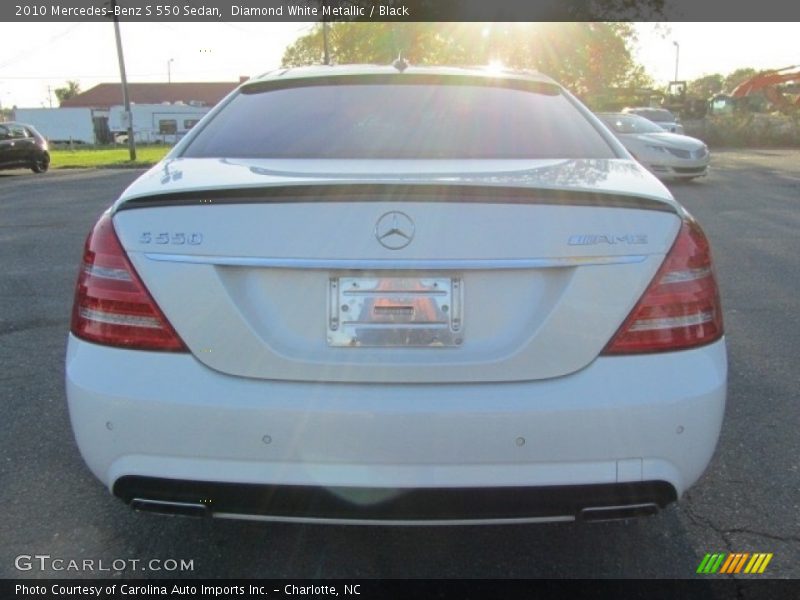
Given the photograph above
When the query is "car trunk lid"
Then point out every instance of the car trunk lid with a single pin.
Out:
(427, 279)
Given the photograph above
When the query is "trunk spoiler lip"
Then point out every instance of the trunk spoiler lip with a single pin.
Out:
(397, 193)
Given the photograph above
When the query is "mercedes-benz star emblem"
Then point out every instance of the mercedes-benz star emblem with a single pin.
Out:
(394, 230)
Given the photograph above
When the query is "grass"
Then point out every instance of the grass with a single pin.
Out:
(115, 157)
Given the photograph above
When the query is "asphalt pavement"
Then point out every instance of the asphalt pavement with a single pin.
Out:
(748, 500)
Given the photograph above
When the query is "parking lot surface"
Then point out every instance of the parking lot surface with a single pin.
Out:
(748, 500)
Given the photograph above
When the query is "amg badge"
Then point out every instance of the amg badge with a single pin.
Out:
(630, 239)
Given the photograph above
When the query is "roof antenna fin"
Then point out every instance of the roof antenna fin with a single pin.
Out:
(400, 63)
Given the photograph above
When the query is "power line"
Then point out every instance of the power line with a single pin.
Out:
(27, 53)
(105, 76)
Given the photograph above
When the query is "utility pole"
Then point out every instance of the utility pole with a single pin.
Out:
(326, 54)
(124, 78)
(325, 51)
(677, 55)
(169, 70)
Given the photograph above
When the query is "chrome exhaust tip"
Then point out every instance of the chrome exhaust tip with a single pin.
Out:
(617, 513)
(165, 507)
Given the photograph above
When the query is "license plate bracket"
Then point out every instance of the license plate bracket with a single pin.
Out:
(395, 311)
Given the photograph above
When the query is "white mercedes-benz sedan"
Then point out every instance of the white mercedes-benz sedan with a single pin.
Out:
(667, 155)
(397, 295)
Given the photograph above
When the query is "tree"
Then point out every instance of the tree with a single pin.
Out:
(585, 57)
(72, 89)
(737, 77)
(706, 86)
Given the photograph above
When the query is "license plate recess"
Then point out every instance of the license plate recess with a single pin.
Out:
(395, 311)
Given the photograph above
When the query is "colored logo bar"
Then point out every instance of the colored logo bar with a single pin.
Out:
(738, 562)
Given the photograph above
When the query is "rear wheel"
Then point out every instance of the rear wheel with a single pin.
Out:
(41, 163)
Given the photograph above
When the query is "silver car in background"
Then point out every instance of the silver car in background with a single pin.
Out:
(667, 155)
(660, 116)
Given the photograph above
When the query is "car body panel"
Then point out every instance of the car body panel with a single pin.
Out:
(182, 175)
(667, 155)
(679, 156)
(527, 320)
(660, 116)
(513, 323)
(620, 419)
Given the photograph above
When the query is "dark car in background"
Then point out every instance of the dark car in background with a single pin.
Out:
(22, 146)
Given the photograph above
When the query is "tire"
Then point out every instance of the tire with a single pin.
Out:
(41, 164)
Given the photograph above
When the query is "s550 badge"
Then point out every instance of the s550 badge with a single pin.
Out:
(172, 238)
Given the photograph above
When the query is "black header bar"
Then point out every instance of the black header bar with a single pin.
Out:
(442, 589)
(398, 10)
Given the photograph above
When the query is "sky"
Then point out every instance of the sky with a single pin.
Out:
(707, 48)
(38, 56)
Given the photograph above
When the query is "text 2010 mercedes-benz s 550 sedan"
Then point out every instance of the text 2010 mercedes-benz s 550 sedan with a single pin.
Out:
(376, 294)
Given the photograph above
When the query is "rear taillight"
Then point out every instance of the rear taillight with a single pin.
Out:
(681, 307)
(112, 305)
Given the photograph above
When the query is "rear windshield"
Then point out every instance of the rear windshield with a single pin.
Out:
(656, 114)
(630, 124)
(401, 122)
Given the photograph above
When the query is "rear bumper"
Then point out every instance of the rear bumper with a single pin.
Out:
(682, 172)
(399, 506)
(166, 427)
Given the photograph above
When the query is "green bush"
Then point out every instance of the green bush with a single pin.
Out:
(749, 130)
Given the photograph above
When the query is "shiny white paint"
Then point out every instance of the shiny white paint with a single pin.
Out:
(619, 419)
(661, 162)
(262, 399)
(666, 120)
(519, 324)
(620, 176)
